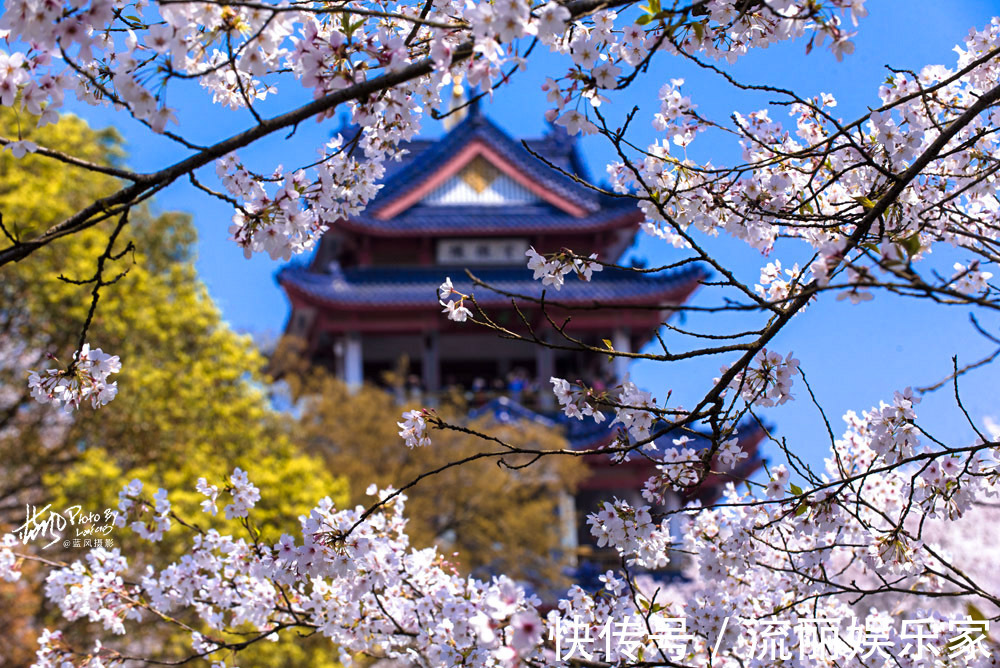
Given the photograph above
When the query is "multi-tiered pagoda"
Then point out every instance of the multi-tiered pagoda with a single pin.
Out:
(477, 200)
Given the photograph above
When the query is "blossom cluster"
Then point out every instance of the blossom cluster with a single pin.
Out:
(893, 434)
(576, 401)
(245, 495)
(971, 280)
(635, 410)
(552, 270)
(775, 287)
(10, 567)
(679, 469)
(632, 532)
(413, 429)
(767, 380)
(354, 578)
(353, 575)
(94, 590)
(731, 452)
(148, 525)
(817, 181)
(456, 310)
(86, 378)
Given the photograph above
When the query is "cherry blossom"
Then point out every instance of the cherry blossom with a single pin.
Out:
(245, 495)
(9, 564)
(731, 453)
(969, 280)
(768, 381)
(632, 533)
(413, 429)
(576, 123)
(209, 505)
(553, 269)
(456, 310)
(577, 402)
(243, 54)
(633, 411)
(86, 378)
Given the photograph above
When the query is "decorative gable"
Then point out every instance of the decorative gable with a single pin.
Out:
(477, 173)
(479, 182)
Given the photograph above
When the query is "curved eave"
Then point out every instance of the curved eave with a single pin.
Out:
(749, 442)
(667, 299)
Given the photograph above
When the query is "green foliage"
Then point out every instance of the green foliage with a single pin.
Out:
(192, 401)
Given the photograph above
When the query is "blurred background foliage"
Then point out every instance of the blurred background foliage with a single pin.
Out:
(498, 519)
(194, 402)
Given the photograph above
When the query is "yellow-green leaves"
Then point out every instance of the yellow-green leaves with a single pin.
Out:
(192, 401)
(911, 244)
(864, 202)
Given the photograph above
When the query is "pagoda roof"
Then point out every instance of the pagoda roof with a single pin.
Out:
(587, 434)
(375, 287)
(473, 220)
(556, 146)
(531, 196)
(505, 410)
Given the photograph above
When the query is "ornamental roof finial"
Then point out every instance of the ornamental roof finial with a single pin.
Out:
(458, 107)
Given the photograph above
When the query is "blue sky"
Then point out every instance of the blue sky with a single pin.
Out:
(853, 355)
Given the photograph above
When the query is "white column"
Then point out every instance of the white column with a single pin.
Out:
(567, 521)
(338, 359)
(353, 361)
(620, 341)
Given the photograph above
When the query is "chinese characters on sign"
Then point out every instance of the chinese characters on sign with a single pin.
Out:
(806, 639)
(72, 526)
